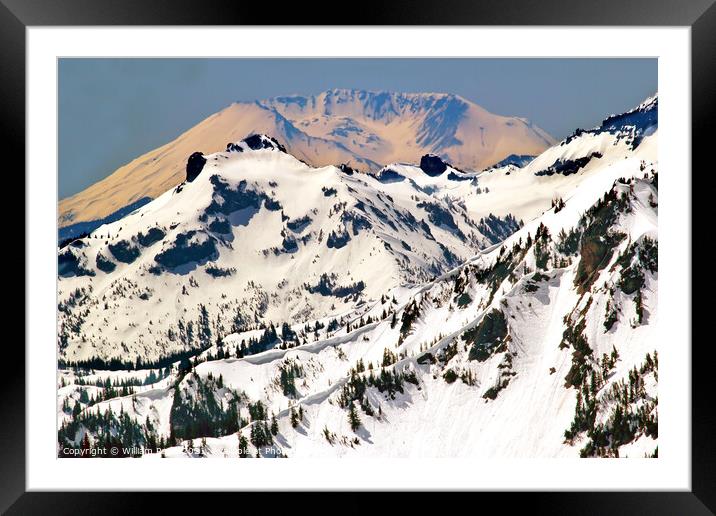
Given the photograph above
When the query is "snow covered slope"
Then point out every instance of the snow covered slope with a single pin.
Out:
(258, 237)
(364, 129)
(540, 345)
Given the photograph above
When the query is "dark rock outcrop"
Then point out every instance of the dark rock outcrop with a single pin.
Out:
(299, 224)
(261, 141)
(188, 251)
(123, 251)
(220, 225)
(488, 337)
(337, 240)
(357, 220)
(289, 244)
(518, 160)
(452, 176)
(69, 264)
(346, 169)
(432, 165)
(104, 264)
(256, 142)
(228, 199)
(567, 167)
(388, 175)
(152, 236)
(194, 165)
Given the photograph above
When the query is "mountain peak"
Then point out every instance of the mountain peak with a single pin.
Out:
(255, 142)
(194, 165)
(649, 102)
(631, 125)
(432, 165)
(347, 92)
(356, 103)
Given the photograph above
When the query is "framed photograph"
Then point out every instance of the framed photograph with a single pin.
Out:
(421, 250)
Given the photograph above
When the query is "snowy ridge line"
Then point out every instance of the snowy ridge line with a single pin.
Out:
(363, 135)
(313, 347)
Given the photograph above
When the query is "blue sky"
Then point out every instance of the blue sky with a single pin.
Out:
(113, 110)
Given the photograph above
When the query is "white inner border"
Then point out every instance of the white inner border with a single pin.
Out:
(670, 471)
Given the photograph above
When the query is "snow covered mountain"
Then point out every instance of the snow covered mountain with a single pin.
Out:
(514, 340)
(363, 129)
(255, 236)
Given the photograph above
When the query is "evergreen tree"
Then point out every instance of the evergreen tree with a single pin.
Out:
(255, 435)
(353, 418)
(287, 334)
(204, 327)
(86, 446)
(614, 355)
(243, 446)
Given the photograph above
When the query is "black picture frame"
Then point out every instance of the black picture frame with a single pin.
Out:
(700, 15)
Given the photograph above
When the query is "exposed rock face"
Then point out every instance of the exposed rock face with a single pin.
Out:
(432, 165)
(194, 166)
(124, 251)
(260, 141)
(189, 250)
(104, 264)
(69, 263)
(255, 142)
(388, 175)
(153, 235)
(569, 166)
(518, 160)
(346, 169)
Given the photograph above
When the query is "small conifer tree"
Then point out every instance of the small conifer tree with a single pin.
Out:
(353, 418)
